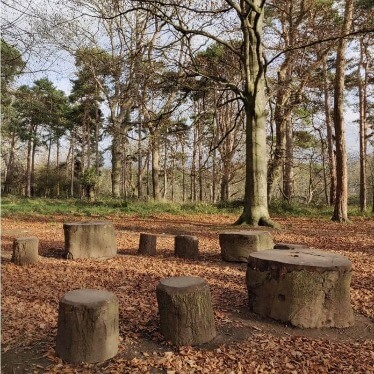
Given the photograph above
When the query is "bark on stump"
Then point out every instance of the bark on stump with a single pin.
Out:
(236, 246)
(186, 313)
(309, 289)
(87, 329)
(186, 246)
(25, 250)
(290, 246)
(95, 239)
(147, 244)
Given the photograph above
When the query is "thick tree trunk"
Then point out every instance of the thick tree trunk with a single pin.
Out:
(255, 198)
(341, 204)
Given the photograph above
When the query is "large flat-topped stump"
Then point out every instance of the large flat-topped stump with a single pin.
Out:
(186, 313)
(87, 329)
(186, 246)
(306, 288)
(94, 239)
(25, 250)
(238, 245)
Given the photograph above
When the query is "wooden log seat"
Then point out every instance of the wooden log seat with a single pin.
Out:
(186, 246)
(147, 244)
(185, 308)
(87, 329)
(93, 239)
(236, 246)
(307, 288)
(25, 250)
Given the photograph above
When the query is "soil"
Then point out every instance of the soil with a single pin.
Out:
(245, 343)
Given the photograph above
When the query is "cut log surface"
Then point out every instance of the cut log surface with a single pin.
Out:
(94, 239)
(236, 246)
(186, 313)
(25, 250)
(147, 244)
(308, 288)
(186, 246)
(87, 328)
(290, 246)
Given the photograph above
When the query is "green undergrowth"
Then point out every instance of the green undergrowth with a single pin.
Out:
(17, 206)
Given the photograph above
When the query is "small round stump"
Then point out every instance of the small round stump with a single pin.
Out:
(87, 329)
(25, 250)
(236, 246)
(186, 313)
(94, 239)
(186, 246)
(147, 244)
(307, 288)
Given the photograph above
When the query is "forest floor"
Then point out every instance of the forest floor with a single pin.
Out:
(245, 343)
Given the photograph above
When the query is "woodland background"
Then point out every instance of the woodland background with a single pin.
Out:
(152, 111)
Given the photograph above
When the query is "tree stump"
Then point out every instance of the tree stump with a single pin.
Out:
(236, 246)
(290, 246)
(307, 288)
(25, 250)
(94, 239)
(147, 244)
(87, 329)
(186, 313)
(186, 246)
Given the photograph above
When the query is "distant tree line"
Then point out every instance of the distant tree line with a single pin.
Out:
(195, 101)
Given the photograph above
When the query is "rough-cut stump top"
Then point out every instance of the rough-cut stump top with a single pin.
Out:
(88, 297)
(180, 284)
(299, 259)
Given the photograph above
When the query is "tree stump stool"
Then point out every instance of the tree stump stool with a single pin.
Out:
(25, 250)
(236, 246)
(87, 329)
(307, 288)
(290, 246)
(94, 239)
(186, 246)
(147, 244)
(186, 313)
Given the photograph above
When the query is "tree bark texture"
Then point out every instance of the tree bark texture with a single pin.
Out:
(236, 246)
(186, 246)
(307, 288)
(94, 239)
(25, 250)
(186, 313)
(341, 203)
(88, 327)
(147, 244)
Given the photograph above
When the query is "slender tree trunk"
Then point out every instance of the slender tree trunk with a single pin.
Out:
(46, 190)
(165, 169)
(28, 168)
(362, 86)
(116, 150)
(341, 204)
(330, 138)
(10, 165)
(58, 166)
(183, 173)
(140, 184)
(33, 153)
(288, 181)
(72, 166)
(155, 147)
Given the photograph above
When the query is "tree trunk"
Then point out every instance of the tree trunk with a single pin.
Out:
(140, 187)
(72, 166)
(155, 166)
(10, 165)
(288, 164)
(58, 166)
(116, 160)
(255, 199)
(341, 204)
(330, 138)
(362, 85)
